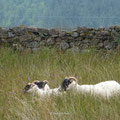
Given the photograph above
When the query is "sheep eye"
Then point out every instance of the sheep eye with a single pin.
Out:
(27, 87)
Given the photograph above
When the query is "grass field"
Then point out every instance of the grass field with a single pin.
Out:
(17, 69)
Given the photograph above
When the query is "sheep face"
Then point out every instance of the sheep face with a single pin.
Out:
(69, 83)
(30, 87)
(42, 85)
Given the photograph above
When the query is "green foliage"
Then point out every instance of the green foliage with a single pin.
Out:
(59, 13)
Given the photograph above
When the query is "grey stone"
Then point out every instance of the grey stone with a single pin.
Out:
(54, 36)
(84, 29)
(10, 34)
(38, 39)
(50, 41)
(100, 45)
(74, 49)
(79, 39)
(95, 42)
(58, 39)
(103, 33)
(42, 43)
(32, 44)
(62, 33)
(35, 49)
(86, 41)
(75, 34)
(101, 28)
(82, 34)
(111, 45)
(64, 45)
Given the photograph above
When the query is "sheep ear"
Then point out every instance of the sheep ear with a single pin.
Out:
(45, 81)
(36, 81)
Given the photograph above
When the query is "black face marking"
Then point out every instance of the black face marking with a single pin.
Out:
(26, 88)
(65, 84)
(41, 84)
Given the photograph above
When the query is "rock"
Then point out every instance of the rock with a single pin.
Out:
(72, 44)
(103, 33)
(75, 34)
(55, 36)
(64, 45)
(62, 33)
(79, 39)
(84, 46)
(50, 41)
(33, 38)
(18, 31)
(82, 34)
(77, 43)
(111, 45)
(100, 45)
(32, 44)
(58, 39)
(3, 33)
(53, 32)
(95, 42)
(10, 34)
(74, 49)
(108, 46)
(38, 39)
(90, 36)
(101, 28)
(35, 49)
(106, 42)
(116, 28)
(86, 41)
(42, 43)
(32, 29)
(93, 32)
(83, 29)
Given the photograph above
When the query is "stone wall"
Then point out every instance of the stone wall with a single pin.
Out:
(32, 38)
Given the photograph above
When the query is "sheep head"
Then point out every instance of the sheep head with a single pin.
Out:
(28, 87)
(41, 85)
(68, 83)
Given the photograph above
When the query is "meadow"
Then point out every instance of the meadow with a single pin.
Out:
(17, 69)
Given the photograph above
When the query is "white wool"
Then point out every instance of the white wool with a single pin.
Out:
(105, 89)
(46, 91)
(36, 90)
(46, 87)
(55, 91)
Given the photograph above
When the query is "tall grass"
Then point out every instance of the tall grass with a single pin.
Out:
(90, 68)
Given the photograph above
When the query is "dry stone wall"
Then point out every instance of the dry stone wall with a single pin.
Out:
(33, 38)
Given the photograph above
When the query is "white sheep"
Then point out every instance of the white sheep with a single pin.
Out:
(37, 87)
(47, 90)
(41, 88)
(55, 91)
(105, 89)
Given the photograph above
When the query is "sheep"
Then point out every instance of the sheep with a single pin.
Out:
(54, 91)
(41, 88)
(106, 89)
(37, 87)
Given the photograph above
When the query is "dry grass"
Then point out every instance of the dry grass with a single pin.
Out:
(89, 68)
